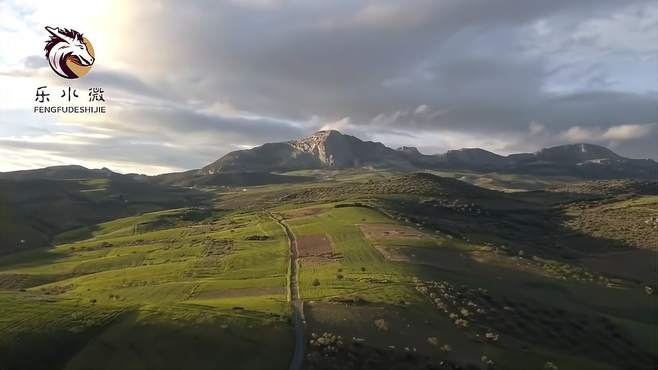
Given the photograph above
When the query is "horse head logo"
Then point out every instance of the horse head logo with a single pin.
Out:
(69, 53)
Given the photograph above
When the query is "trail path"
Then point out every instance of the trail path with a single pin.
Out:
(295, 300)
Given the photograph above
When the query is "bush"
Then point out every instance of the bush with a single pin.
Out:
(316, 282)
(381, 324)
(550, 366)
(339, 277)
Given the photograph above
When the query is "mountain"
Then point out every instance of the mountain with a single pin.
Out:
(331, 149)
(59, 173)
(471, 157)
(324, 149)
(581, 160)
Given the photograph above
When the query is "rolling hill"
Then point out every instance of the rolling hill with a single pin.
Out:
(35, 205)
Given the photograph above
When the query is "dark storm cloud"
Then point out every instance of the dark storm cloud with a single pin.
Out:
(193, 80)
(470, 62)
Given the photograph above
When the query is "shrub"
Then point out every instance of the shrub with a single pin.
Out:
(316, 282)
(381, 324)
(550, 366)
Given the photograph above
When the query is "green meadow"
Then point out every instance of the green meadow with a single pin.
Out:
(404, 272)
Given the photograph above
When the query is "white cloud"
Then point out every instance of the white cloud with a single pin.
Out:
(628, 132)
(423, 108)
(340, 125)
(581, 134)
(615, 133)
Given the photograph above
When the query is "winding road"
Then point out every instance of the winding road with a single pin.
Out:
(295, 300)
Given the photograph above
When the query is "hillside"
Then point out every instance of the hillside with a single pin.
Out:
(38, 204)
(393, 270)
(227, 179)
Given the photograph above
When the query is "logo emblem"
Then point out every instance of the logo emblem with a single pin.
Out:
(69, 53)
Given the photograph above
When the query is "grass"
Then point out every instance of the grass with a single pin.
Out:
(188, 287)
(360, 263)
(379, 283)
(630, 222)
(160, 281)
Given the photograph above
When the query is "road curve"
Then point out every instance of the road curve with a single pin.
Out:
(296, 302)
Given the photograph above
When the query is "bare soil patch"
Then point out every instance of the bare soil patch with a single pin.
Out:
(316, 249)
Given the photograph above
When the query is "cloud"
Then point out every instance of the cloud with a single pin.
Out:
(188, 82)
(628, 132)
(340, 125)
(536, 128)
(611, 134)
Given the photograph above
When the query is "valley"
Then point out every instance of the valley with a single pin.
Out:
(351, 268)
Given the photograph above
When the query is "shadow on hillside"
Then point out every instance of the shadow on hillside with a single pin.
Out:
(29, 258)
(538, 230)
(141, 340)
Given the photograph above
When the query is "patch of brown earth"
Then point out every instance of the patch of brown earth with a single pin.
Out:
(316, 249)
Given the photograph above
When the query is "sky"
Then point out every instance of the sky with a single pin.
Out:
(189, 81)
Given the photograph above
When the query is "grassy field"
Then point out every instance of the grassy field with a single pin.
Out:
(363, 294)
(401, 272)
(186, 286)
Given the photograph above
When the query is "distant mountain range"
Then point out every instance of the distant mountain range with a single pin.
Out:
(331, 149)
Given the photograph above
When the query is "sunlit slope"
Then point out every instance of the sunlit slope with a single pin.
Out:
(205, 285)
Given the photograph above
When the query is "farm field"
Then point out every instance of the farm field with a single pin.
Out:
(402, 271)
(444, 300)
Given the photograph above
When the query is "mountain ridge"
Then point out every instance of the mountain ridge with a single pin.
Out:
(330, 149)
(334, 150)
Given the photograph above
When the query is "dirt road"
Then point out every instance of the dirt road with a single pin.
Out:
(295, 300)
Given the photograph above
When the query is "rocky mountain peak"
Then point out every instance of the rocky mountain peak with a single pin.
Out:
(317, 145)
(332, 149)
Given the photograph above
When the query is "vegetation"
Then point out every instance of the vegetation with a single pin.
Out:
(395, 270)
